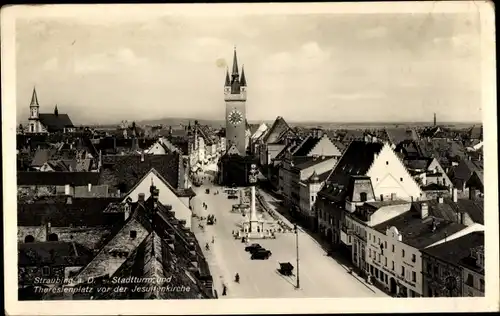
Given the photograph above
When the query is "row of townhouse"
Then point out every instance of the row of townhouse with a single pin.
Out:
(372, 209)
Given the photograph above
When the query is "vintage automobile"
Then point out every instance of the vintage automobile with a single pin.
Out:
(261, 254)
(232, 197)
(253, 247)
(286, 268)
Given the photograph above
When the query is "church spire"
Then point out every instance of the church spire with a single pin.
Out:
(228, 81)
(56, 112)
(235, 65)
(243, 80)
(34, 98)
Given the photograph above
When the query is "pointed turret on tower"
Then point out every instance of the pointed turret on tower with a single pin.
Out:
(56, 112)
(243, 80)
(435, 121)
(34, 98)
(228, 81)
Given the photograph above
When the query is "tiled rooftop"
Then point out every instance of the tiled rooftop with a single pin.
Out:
(418, 232)
(54, 253)
(457, 251)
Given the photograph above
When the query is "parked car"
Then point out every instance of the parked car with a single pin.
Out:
(261, 254)
(252, 247)
(232, 197)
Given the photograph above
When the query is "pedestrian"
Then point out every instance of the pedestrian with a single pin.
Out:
(213, 239)
(224, 290)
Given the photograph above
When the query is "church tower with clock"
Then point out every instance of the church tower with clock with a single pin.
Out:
(235, 95)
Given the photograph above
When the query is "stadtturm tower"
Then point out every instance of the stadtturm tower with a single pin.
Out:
(235, 95)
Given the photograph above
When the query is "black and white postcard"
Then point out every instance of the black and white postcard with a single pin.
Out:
(250, 158)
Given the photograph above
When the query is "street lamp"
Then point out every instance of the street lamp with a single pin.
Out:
(297, 286)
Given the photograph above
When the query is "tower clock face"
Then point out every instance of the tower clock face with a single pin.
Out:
(235, 117)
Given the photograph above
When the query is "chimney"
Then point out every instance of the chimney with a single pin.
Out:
(141, 197)
(424, 210)
(48, 230)
(142, 156)
(90, 187)
(440, 199)
(472, 194)
(67, 189)
(454, 194)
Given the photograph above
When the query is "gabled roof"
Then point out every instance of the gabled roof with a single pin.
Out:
(355, 161)
(306, 146)
(81, 212)
(454, 251)
(277, 129)
(55, 123)
(149, 255)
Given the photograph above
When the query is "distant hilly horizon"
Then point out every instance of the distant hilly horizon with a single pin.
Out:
(177, 122)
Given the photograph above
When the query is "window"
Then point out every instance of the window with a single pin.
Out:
(402, 270)
(385, 244)
(436, 270)
(379, 258)
(393, 266)
(374, 238)
(401, 179)
(402, 253)
(414, 276)
(413, 258)
(470, 280)
(369, 253)
(393, 248)
(29, 238)
(429, 268)
(379, 241)
(386, 261)
(133, 234)
(46, 271)
(481, 285)
(363, 196)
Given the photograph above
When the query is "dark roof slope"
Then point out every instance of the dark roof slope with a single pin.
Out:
(124, 171)
(55, 123)
(456, 250)
(306, 146)
(418, 232)
(56, 178)
(54, 253)
(355, 161)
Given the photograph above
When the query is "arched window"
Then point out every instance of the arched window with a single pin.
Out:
(53, 237)
(363, 196)
(29, 238)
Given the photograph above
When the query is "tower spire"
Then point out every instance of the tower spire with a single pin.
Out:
(435, 122)
(34, 98)
(56, 111)
(228, 81)
(235, 64)
(243, 80)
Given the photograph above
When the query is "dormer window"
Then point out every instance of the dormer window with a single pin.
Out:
(133, 234)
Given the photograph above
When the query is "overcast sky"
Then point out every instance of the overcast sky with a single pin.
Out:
(333, 67)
